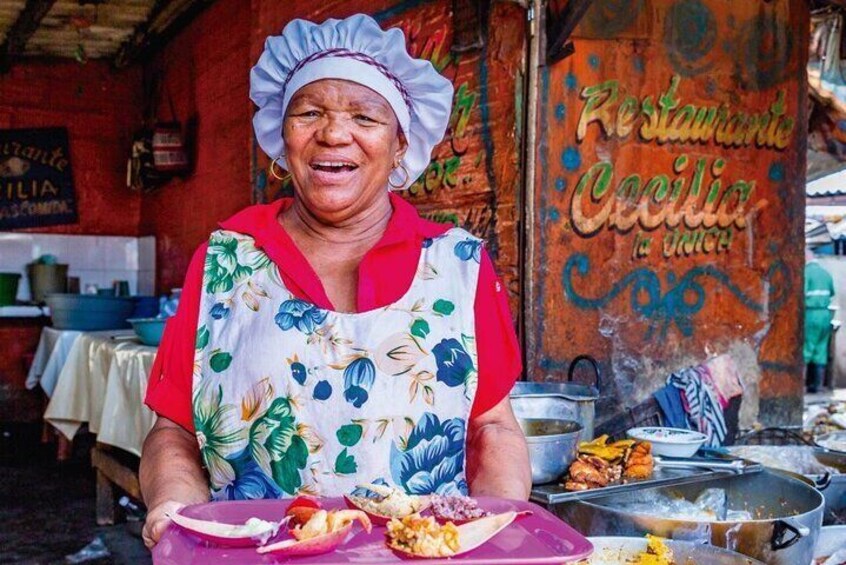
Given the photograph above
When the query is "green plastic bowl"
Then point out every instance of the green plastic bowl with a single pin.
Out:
(148, 330)
(8, 288)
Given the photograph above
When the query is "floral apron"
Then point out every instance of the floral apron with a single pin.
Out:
(290, 398)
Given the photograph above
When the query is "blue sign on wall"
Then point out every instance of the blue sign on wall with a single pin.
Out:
(36, 183)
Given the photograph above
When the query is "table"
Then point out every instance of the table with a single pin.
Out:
(102, 383)
(50, 356)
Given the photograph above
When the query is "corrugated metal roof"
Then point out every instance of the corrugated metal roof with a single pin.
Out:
(97, 29)
(829, 185)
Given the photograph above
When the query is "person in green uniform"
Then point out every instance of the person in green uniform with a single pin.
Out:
(819, 290)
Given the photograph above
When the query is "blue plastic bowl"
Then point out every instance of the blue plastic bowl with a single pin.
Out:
(148, 330)
(89, 312)
(145, 307)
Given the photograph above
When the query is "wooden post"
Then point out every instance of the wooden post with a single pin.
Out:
(111, 473)
(105, 504)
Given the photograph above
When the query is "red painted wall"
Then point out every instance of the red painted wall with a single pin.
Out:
(206, 73)
(100, 107)
(206, 70)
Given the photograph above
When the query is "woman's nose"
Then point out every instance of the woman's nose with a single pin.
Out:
(334, 131)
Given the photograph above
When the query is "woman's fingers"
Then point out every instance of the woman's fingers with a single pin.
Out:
(158, 520)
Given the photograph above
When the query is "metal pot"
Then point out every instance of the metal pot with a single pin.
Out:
(832, 539)
(563, 401)
(617, 550)
(831, 485)
(552, 446)
(790, 517)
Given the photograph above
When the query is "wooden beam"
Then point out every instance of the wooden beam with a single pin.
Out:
(561, 28)
(28, 21)
(167, 18)
(111, 473)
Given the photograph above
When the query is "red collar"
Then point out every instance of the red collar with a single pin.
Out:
(404, 236)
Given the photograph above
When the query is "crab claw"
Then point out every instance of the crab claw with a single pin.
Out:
(342, 518)
(380, 490)
(313, 546)
(310, 541)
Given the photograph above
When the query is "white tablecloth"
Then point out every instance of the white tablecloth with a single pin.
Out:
(103, 383)
(50, 356)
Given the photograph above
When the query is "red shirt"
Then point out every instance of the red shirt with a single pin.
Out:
(385, 275)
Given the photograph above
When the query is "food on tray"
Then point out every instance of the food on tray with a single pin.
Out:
(819, 420)
(322, 533)
(390, 502)
(419, 536)
(253, 532)
(589, 471)
(611, 452)
(639, 464)
(600, 463)
(456, 508)
(423, 536)
(657, 553)
(301, 509)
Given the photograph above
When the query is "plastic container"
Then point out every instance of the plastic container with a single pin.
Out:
(145, 307)
(8, 288)
(46, 279)
(148, 330)
(89, 312)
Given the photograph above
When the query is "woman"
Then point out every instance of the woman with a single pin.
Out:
(337, 338)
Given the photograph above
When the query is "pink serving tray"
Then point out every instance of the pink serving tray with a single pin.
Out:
(539, 538)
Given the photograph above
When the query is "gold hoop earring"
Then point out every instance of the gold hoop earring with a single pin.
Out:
(402, 184)
(273, 165)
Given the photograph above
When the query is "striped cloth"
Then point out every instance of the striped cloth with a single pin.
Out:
(702, 404)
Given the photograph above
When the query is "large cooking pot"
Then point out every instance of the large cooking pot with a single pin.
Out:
(559, 400)
(618, 550)
(788, 517)
(831, 485)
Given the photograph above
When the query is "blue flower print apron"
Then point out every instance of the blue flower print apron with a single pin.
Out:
(290, 398)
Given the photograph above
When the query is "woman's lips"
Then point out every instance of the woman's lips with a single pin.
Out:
(333, 173)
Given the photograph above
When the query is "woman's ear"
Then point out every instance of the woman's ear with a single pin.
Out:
(402, 147)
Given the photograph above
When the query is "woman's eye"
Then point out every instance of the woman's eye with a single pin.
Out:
(366, 119)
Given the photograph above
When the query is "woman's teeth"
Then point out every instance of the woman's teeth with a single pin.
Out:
(333, 167)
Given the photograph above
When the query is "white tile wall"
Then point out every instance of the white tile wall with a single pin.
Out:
(99, 260)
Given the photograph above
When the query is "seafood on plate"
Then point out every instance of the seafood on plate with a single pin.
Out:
(657, 553)
(301, 509)
(422, 536)
(456, 508)
(253, 532)
(389, 502)
(322, 533)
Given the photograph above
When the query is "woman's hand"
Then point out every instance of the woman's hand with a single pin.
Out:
(171, 475)
(157, 521)
(497, 455)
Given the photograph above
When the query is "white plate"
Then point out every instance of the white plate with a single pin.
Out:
(669, 442)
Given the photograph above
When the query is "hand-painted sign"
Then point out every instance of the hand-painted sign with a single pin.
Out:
(700, 209)
(36, 183)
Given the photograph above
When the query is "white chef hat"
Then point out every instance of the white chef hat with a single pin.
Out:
(358, 50)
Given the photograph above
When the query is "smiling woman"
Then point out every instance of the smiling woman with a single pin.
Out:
(342, 140)
(336, 338)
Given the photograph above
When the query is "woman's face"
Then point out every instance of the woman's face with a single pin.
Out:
(341, 142)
